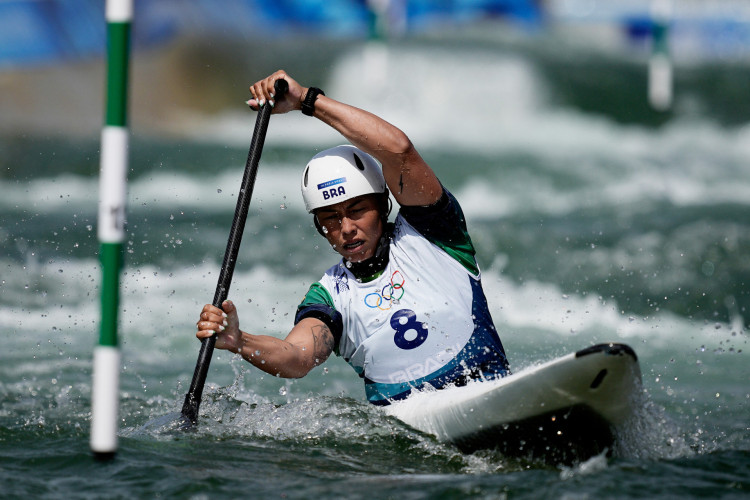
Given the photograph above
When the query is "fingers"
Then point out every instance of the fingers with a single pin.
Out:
(212, 320)
(263, 93)
(228, 307)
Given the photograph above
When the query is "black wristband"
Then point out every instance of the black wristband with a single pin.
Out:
(308, 105)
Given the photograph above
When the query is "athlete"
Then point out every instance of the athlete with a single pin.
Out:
(404, 306)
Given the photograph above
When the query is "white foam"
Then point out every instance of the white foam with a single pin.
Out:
(211, 193)
(60, 306)
(542, 308)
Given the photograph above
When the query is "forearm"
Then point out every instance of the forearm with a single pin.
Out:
(409, 178)
(275, 356)
(365, 130)
(306, 346)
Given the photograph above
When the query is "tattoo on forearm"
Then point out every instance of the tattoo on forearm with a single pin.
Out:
(322, 343)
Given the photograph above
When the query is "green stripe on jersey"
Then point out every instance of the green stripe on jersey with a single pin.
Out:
(317, 294)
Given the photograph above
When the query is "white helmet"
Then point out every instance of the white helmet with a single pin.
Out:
(339, 174)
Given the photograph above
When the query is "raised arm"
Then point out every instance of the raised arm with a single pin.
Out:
(409, 178)
(308, 344)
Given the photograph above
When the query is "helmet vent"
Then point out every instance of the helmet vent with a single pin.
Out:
(359, 163)
(304, 179)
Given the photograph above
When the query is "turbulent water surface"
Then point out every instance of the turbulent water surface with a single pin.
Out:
(594, 219)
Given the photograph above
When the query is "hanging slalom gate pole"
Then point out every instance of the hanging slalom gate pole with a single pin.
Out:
(659, 64)
(111, 230)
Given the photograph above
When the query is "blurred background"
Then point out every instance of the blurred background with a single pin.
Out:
(539, 114)
(197, 57)
(600, 151)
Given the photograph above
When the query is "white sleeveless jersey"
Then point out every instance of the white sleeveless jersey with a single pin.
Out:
(413, 324)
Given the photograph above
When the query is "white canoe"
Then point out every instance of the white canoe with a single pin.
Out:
(560, 411)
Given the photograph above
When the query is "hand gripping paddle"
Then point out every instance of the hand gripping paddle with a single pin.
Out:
(193, 397)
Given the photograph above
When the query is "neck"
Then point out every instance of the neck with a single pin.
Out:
(371, 268)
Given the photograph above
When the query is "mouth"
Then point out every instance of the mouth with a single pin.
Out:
(353, 246)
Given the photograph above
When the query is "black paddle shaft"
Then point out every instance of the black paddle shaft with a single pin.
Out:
(193, 397)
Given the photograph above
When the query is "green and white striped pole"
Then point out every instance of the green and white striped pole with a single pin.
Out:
(111, 230)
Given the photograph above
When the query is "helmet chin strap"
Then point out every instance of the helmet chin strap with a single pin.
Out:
(388, 207)
(377, 263)
(318, 226)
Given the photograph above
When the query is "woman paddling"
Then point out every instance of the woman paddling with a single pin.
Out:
(404, 306)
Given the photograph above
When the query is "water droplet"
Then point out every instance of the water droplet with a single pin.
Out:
(283, 391)
(282, 206)
(218, 190)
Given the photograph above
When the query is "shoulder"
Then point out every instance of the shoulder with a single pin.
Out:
(334, 278)
(445, 210)
(444, 225)
(318, 303)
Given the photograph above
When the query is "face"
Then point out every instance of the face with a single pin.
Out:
(352, 227)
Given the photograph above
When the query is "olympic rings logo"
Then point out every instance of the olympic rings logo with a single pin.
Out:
(392, 292)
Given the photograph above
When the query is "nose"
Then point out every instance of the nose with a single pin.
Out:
(347, 225)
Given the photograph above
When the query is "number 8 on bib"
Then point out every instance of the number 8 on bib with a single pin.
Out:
(401, 329)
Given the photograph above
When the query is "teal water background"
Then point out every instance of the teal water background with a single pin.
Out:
(595, 219)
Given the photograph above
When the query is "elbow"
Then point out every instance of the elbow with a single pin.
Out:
(289, 371)
(297, 369)
(402, 146)
(297, 373)
(402, 152)
(287, 375)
